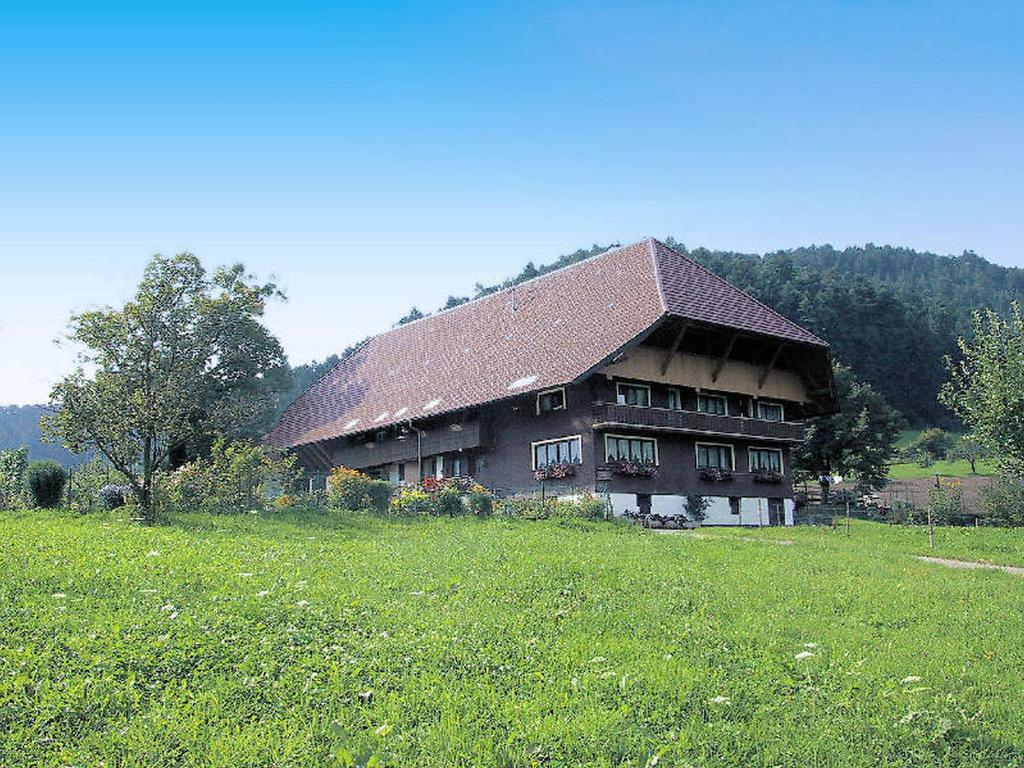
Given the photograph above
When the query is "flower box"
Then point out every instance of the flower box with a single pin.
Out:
(767, 476)
(633, 468)
(714, 475)
(554, 472)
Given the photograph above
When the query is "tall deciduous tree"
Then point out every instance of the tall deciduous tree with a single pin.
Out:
(986, 386)
(188, 358)
(859, 440)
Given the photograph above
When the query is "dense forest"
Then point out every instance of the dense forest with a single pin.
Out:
(890, 313)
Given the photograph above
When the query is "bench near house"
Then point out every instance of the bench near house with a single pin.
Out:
(638, 373)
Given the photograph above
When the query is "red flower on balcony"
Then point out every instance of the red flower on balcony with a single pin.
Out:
(554, 471)
(633, 468)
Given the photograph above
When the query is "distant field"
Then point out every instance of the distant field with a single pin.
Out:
(912, 470)
(289, 641)
(941, 468)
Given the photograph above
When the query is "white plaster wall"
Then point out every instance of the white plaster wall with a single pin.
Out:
(753, 511)
(719, 513)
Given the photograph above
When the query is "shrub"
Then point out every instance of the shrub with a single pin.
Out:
(480, 503)
(112, 496)
(946, 503)
(591, 507)
(412, 501)
(929, 446)
(1002, 502)
(86, 480)
(44, 481)
(236, 477)
(12, 477)
(351, 489)
(528, 509)
(697, 507)
(448, 501)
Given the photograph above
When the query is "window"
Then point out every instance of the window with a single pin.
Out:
(551, 400)
(401, 472)
(776, 512)
(765, 460)
(675, 400)
(769, 411)
(734, 505)
(643, 450)
(711, 404)
(564, 450)
(633, 394)
(714, 456)
(457, 465)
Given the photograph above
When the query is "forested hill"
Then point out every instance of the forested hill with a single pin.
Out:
(19, 426)
(891, 314)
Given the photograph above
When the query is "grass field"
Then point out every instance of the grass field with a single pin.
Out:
(288, 641)
(911, 470)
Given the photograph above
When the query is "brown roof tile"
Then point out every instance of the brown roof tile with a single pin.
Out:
(542, 333)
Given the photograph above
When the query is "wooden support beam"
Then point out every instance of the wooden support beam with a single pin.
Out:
(725, 357)
(771, 365)
(675, 348)
(322, 455)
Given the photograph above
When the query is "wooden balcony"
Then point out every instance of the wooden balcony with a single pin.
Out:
(442, 439)
(613, 416)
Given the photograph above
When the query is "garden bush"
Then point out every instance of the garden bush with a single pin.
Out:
(351, 489)
(12, 477)
(411, 501)
(236, 477)
(112, 496)
(86, 480)
(448, 501)
(480, 502)
(1002, 502)
(44, 481)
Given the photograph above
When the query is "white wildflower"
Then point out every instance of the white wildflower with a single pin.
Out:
(803, 655)
(810, 645)
(302, 603)
(167, 608)
(263, 593)
(910, 679)
(721, 700)
(58, 595)
(598, 660)
(153, 553)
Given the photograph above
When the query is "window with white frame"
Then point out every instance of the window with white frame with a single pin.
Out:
(643, 450)
(675, 400)
(564, 450)
(714, 404)
(633, 394)
(715, 456)
(551, 400)
(765, 460)
(769, 411)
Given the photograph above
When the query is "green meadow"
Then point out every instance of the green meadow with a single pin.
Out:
(343, 639)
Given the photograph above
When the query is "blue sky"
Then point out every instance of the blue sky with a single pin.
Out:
(373, 156)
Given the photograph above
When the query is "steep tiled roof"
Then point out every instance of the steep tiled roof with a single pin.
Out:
(693, 291)
(542, 333)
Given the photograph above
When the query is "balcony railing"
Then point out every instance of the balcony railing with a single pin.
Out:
(611, 415)
(441, 439)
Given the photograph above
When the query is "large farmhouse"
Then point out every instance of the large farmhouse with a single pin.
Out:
(638, 374)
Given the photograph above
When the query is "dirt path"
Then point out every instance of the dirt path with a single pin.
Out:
(1014, 569)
